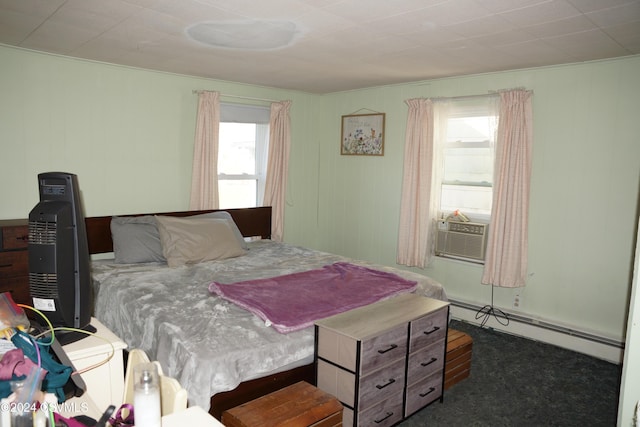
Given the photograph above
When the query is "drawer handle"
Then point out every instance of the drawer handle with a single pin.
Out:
(435, 328)
(387, 415)
(23, 238)
(433, 359)
(391, 347)
(381, 386)
(431, 390)
(6, 265)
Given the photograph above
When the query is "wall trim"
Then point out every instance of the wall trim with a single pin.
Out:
(572, 339)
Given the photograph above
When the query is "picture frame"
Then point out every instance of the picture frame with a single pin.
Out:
(362, 134)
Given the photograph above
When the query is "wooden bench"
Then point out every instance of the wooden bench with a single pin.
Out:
(458, 357)
(299, 405)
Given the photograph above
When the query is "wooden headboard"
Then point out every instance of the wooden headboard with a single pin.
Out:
(250, 221)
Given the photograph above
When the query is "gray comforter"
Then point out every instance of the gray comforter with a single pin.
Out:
(208, 344)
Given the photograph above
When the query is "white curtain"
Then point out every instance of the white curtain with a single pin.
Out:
(506, 256)
(417, 213)
(204, 178)
(278, 166)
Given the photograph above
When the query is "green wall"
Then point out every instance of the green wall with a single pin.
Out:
(584, 194)
(128, 135)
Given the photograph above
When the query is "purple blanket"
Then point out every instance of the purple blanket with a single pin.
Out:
(295, 301)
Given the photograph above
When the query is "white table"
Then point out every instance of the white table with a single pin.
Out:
(105, 384)
(193, 416)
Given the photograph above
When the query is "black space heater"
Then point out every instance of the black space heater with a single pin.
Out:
(59, 269)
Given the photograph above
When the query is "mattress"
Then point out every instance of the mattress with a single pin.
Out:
(207, 343)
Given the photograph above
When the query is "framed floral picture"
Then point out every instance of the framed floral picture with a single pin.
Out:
(363, 134)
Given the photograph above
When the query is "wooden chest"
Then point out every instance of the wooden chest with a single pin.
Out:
(458, 366)
(299, 405)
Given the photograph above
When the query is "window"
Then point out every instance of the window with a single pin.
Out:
(242, 155)
(467, 149)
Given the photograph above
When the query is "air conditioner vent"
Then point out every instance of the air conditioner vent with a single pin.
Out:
(466, 240)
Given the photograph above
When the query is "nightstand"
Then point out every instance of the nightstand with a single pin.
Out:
(105, 384)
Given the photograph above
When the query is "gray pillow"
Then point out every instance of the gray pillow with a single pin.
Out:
(136, 239)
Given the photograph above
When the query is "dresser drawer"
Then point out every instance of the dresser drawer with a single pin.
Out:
(14, 264)
(14, 275)
(370, 389)
(428, 329)
(423, 392)
(386, 382)
(15, 237)
(386, 413)
(425, 362)
(19, 289)
(374, 352)
(383, 349)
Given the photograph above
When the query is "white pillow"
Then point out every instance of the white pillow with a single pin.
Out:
(194, 240)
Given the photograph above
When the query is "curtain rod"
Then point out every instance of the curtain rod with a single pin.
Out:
(237, 96)
(489, 93)
(492, 93)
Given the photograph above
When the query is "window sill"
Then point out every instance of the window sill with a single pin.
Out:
(461, 259)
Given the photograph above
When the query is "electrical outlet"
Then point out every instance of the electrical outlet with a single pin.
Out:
(517, 300)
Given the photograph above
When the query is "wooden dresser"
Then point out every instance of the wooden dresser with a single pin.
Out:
(14, 259)
(383, 361)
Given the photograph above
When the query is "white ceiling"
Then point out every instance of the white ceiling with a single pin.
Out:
(336, 44)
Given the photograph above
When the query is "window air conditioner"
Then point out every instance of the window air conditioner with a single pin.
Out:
(467, 240)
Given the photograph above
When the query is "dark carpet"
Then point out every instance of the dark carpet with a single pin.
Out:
(515, 381)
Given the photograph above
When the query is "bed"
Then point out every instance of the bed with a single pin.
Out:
(221, 353)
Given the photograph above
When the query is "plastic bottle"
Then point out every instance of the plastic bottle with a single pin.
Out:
(146, 396)
(27, 394)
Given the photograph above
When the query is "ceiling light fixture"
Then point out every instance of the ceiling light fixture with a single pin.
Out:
(248, 34)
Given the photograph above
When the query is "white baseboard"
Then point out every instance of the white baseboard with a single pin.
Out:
(602, 349)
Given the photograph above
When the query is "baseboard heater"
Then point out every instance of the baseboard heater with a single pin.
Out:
(545, 325)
